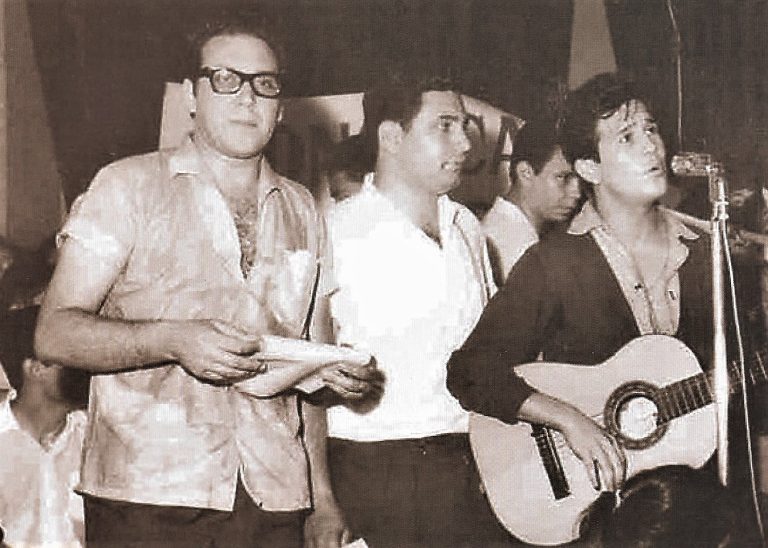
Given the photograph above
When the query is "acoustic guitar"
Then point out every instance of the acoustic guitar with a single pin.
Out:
(651, 395)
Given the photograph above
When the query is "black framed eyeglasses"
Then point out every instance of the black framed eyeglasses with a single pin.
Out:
(228, 81)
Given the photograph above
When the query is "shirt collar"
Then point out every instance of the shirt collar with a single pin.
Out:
(8, 423)
(449, 212)
(7, 419)
(589, 219)
(186, 160)
(510, 208)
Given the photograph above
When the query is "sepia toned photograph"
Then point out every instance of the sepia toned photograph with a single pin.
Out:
(383, 273)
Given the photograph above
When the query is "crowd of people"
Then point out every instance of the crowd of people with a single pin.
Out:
(173, 264)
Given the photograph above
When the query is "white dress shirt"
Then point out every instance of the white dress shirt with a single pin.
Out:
(410, 302)
(509, 234)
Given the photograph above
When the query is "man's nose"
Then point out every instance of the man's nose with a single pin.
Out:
(463, 144)
(246, 94)
(649, 143)
(573, 188)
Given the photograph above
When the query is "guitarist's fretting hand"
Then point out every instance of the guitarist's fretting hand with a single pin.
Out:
(603, 458)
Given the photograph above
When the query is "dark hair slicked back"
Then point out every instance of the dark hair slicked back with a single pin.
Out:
(231, 23)
(534, 143)
(397, 97)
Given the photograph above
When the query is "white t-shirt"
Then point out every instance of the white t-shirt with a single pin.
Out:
(410, 302)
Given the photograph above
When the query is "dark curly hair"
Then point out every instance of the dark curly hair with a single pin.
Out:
(597, 99)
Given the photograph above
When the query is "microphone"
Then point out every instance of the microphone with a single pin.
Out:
(692, 164)
(697, 164)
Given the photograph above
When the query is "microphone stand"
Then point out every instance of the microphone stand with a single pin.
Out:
(719, 200)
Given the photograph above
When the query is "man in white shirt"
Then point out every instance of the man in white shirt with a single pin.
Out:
(41, 434)
(411, 277)
(544, 191)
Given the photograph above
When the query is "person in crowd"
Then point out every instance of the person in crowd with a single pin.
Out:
(624, 268)
(42, 427)
(171, 266)
(346, 168)
(544, 191)
(410, 278)
(666, 507)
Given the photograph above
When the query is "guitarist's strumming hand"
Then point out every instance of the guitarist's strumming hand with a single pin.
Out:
(603, 458)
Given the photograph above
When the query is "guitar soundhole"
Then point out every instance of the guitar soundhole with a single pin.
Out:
(631, 415)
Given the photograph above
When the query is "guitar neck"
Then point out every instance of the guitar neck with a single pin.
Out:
(687, 395)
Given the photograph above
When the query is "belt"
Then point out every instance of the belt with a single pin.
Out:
(430, 444)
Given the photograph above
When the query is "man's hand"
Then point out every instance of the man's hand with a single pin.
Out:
(325, 527)
(352, 381)
(215, 351)
(603, 458)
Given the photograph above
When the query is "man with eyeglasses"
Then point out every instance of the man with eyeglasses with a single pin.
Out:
(171, 265)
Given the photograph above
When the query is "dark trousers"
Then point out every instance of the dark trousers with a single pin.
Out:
(119, 524)
(413, 493)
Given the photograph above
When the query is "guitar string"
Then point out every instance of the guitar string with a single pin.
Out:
(687, 395)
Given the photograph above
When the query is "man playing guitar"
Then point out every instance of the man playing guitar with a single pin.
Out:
(625, 268)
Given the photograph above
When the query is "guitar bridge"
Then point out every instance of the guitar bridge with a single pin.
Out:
(551, 461)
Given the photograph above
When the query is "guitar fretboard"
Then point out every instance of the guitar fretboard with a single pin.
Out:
(687, 395)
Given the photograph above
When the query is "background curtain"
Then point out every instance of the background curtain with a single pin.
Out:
(103, 62)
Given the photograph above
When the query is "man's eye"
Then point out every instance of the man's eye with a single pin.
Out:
(226, 80)
(445, 125)
(625, 138)
(652, 129)
(267, 82)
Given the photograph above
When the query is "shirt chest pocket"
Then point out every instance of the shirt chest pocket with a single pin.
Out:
(285, 282)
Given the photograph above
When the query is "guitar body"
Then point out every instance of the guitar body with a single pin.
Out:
(619, 394)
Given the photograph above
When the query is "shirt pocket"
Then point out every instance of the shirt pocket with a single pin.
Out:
(284, 283)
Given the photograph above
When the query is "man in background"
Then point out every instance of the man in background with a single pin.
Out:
(544, 191)
(42, 426)
(346, 168)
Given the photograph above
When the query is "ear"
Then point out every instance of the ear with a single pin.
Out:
(33, 368)
(390, 135)
(190, 100)
(589, 170)
(524, 172)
